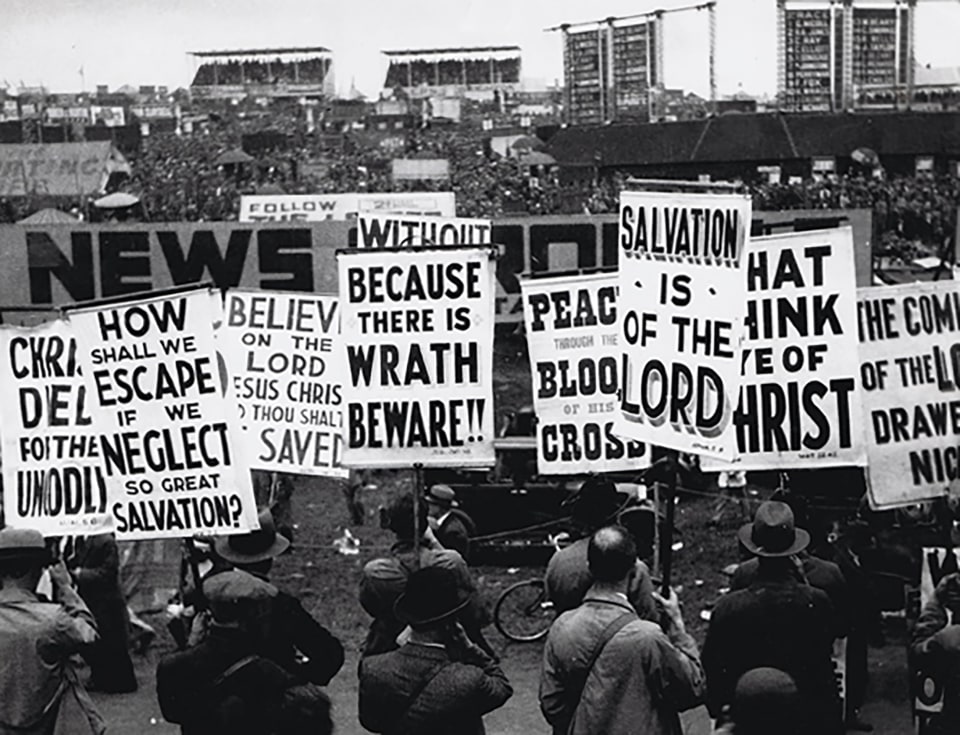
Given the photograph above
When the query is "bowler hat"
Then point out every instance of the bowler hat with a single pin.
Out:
(23, 543)
(442, 495)
(255, 546)
(773, 532)
(431, 595)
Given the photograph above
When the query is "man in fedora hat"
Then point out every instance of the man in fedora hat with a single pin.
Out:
(439, 681)
(40, 691)
(451, 525)
(293, 629)
(568, 577)
(778, 622)
(384, 579)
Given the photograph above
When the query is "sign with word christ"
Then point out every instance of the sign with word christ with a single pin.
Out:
(681, 303)
(418, 333)
(573, 338)
(52, 479)
(165, 416)
(800, 400)
(910, 376)
(286, 358)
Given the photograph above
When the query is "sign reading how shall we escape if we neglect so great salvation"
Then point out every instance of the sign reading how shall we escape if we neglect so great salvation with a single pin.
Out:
(682, 300)
(572, 337)
(52, 479)
(800, 404)
(910, 378)
(287, 370)
(166, 417)
(418, 333)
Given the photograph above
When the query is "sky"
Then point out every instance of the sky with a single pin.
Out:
(137, 42)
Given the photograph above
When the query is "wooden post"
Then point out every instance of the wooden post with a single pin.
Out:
(666, 530)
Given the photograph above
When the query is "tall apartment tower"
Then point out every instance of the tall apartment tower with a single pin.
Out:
(612, 71)
(832, 54)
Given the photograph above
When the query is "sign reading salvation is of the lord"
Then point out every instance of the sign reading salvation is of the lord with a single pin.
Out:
(681, 303)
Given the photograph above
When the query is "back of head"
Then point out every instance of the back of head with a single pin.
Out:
(765, 701)
(238, 597)
(23, 552)
(400, 517)
(611, 554)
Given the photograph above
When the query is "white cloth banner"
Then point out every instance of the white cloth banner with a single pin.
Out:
(682, 300)
(287, 363)
(572, 338)
(166, 417)
(800, 405)
(418, 333)
(910, 375)
(319, 207)
(52, 480)
(398, 230)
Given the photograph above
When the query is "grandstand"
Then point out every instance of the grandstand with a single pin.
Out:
(475, 72)
(270, 73)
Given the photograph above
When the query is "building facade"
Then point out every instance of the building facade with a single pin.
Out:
(612, 70)
(835, 55)
(475, 72)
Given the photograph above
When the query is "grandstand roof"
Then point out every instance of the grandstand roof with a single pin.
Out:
(484, 52)
(756, 137)
(260, 52)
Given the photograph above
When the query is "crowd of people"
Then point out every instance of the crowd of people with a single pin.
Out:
(263, 71)
(618, 658)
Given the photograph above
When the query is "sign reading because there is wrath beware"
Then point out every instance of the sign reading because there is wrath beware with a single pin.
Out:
(286, 358)
(910, 375)
(166, 417)
(572, 337)
(800, 400)
(682, 300)
(418, 333)
(52, 480)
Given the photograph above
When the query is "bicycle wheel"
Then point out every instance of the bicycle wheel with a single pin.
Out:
(523, 612)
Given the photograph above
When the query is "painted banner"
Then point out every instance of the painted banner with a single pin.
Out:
(910, 373)
(318, 207)
(800, 405)
(52, 480)
(401, 230)
(683, 296)
(286, 359)
(166, 417)
(418, 333)
(57, 169)
(573, 341)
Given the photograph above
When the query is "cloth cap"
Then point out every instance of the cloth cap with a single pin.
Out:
(764, 696)
(237, 586)
(255, 546)
(23, 543)
(442, 495)
(773, 532)
(431, 595)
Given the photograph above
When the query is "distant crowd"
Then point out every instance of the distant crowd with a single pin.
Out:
(178, 179)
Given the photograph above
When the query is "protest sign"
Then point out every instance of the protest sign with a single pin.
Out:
(52, 480)
(930, 681)
(405, 230)
(287, 371)
(682, 296)
(910, 373)
(166, 417)
(800, 399)
(572, 337)
(418, 333)
(318, 207)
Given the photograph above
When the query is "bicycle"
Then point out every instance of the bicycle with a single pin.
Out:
(523, 613)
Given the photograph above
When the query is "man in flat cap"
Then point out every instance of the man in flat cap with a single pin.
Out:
(40, 691)
(777, 622)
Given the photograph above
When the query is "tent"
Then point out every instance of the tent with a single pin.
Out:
(117, 200)
(58, 169)
(536, 158)
(48, 217)
(229, 158)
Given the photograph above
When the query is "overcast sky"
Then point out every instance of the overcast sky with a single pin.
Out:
(146, 41)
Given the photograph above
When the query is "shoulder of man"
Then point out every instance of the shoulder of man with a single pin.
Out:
(445, 558)
(384, 568)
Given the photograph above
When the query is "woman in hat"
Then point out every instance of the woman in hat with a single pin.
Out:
(439, 681)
